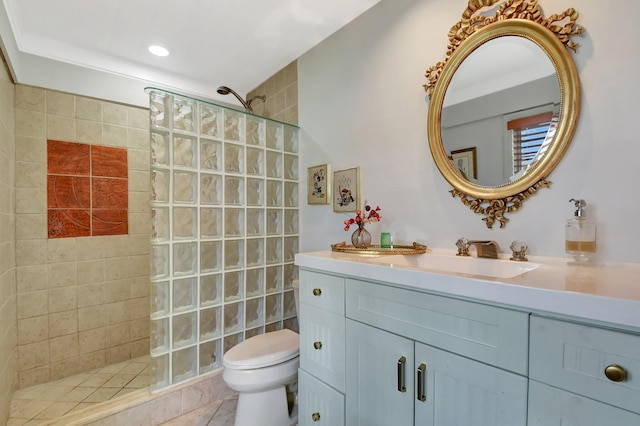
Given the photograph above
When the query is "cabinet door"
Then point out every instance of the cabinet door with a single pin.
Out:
(549, 406)
(377, 364)
(462, 392)
(318, 404)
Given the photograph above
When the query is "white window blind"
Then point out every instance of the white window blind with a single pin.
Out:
(528, 135)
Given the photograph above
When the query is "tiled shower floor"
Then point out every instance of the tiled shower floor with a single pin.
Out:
(36, 404)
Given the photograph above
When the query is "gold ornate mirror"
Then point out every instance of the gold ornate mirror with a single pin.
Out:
(496, 133)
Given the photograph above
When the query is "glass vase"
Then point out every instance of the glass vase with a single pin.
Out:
(361, 238)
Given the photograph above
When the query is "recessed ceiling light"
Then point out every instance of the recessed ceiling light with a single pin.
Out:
(158, 50)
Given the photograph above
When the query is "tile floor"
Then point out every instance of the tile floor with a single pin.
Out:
(218, 413)
(36, 404)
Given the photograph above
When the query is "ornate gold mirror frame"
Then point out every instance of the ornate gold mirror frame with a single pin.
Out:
(521, 18)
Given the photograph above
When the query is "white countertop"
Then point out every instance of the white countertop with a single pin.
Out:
(607, 292)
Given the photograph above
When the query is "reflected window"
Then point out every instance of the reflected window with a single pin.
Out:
(530, 136)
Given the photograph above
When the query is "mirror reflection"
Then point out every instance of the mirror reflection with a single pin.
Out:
(500, 111)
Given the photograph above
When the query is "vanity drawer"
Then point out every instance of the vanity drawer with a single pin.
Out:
(574, 357)
(323, 291)
(553, 406)
(322, 345)
(495, 336)
(318, 403)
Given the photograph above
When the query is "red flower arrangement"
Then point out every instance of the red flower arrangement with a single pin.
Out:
(370, 215)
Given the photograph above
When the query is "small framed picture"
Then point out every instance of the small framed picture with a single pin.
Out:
(346, 190)
(464, 160)
(318, 186)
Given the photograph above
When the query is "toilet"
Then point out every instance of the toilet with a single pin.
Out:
(264, 371)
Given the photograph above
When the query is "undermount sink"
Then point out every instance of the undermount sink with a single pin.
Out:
(496, 268)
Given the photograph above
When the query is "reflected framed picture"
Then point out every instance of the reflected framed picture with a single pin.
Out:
(346, 190)
(466, 162)
(318, 185)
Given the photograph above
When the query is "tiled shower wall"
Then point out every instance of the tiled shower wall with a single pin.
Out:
(82, 302)
(281, 90)
(7, 245)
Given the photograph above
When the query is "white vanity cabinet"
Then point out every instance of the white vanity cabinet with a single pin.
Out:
(583, 375)
(411, 347)
(400, 370)
(321, 378)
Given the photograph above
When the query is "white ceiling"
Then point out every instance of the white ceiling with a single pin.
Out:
(237, 43)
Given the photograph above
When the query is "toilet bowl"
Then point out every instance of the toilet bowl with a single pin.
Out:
(264, 371)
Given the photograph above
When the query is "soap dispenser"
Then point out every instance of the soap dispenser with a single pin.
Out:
(580, 234)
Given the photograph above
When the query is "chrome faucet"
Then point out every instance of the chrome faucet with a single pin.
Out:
(484, 248)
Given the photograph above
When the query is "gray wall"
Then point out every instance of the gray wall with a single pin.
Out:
(362, 104)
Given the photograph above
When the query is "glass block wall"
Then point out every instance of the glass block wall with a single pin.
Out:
(224, 231)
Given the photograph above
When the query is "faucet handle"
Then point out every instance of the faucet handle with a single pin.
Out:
(519, 249)
(463, 247)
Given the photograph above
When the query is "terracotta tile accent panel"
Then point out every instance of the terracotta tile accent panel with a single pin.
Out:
(109, 222)
(66, 223)
(109, 162)
(109, 193)
(87, 190)
(68, 192)
(68, 158)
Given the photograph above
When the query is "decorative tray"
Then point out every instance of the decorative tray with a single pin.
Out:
(415, 248)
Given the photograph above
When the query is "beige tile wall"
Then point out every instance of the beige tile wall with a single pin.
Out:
(81, 302)
(7, 245)
(281, 90)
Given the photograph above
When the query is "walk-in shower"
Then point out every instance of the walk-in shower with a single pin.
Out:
(224, 90)
(95, 322)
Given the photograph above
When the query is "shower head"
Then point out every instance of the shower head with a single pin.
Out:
(224, 90)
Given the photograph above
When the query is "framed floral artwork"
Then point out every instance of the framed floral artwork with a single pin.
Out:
(346, 190)
(318, 186)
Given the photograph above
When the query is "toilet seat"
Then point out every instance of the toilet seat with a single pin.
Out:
(263, 350)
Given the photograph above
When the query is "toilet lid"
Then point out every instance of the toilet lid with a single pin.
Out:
(263, 350)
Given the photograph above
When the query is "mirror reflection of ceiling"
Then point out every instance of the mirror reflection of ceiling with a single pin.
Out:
(499, 64)
(238, 43)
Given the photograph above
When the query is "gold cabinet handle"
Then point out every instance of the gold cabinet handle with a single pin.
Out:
(615, 373)
(317, 292)
(421, 394)
(401, 367)
(317, 345)
(315, 417)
